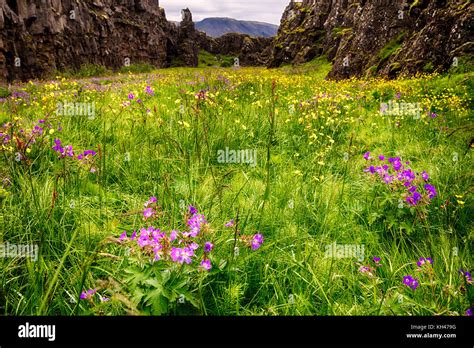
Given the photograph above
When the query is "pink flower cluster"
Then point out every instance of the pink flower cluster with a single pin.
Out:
(180, 247)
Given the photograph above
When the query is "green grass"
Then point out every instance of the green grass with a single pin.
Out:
(307, 191)
(207, 59)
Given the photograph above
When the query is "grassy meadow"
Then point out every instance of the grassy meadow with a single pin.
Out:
(76, 184)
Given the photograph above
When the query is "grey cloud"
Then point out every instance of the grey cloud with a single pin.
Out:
(257, 10)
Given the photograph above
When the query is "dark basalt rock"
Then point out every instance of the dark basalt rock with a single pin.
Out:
(375, 37)
(251, 51)
(40, 36)
(50, 35)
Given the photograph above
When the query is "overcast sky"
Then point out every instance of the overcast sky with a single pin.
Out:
(269, 11)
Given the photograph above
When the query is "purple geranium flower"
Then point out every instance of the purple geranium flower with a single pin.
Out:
(123, 236)
(182, 255)
(467, 275)
(195, 223)
(413, 200)
(257, 241)
(57, 147)
(87, 294)
(208, 247)
(431, 189)
(206, 264)
(150, 201)
(192, 210)
(173, 235)
(423, 261)
(148, 213)
(411, 282)
(149, 90)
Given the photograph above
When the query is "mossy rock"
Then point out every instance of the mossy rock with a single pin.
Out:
(391, 47)
(428, 67)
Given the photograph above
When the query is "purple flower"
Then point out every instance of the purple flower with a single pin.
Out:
(148, 213)
(123, 236)
(376, 259)
(182, 255)
(69, 151)
(434, 115)
(57, 147)
(173, 235)
(206, 264)
(143, 240)
(411, 282)
(423, 261)
(230, 223)
(409, 175)
(134, 235)
(195, 223)
(131, 96)
(382, 157)
(193, 246)
(41, 121)
(467, 275)
(367, 155)
(104, 299)
(149, 90)
(431, 189)
(371, 169)
(397, 165)
(469, 312)
(192, 210)
(425, 176)
(139, 101)
(413, 200)
(90, 152)
(257, 241)
(87, 294)
(388, 178)
(150, 201)
(398, 95)
(208, 247)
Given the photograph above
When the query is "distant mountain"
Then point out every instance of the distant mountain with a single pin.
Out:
(219, 26)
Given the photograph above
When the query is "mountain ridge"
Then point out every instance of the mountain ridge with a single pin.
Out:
(218, 26)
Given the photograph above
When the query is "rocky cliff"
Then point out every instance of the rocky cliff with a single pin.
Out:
(40, 36)
(376, 37)
(251, 51)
